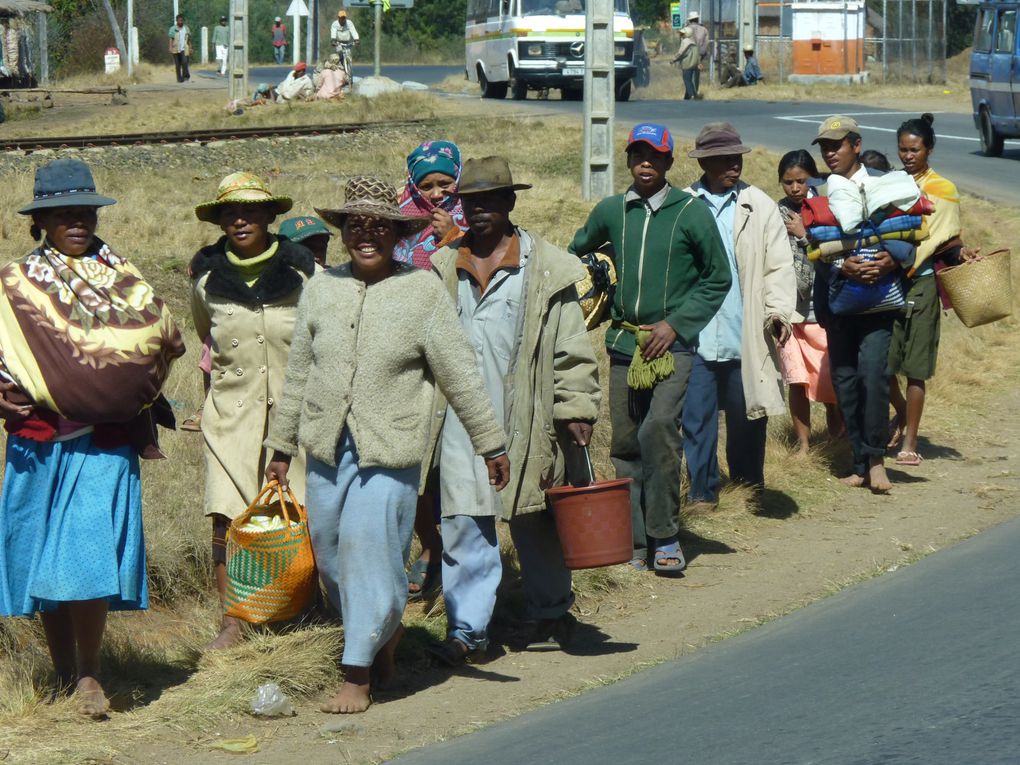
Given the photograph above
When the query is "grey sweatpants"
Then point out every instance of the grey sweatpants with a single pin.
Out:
(361, 521)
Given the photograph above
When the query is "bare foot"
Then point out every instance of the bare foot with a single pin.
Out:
(230, 634)
(92, 701)
(801, 453)
(878, 479)
(384, 667)
(853, 481)
(353, 696)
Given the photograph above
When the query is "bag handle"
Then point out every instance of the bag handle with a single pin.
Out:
(295, 509)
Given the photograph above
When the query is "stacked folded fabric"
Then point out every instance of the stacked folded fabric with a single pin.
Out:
(831, 240)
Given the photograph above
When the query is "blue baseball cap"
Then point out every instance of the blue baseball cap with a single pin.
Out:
(656, 136)
(299, 229)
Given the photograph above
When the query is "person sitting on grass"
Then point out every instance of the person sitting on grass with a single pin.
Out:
(330, 80)
(373, 339)
(673, 276)
(805, 357)
(296, 86)
(733, 76)
(81, 370)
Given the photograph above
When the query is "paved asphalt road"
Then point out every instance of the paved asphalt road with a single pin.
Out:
(917, 666)
(778, 126)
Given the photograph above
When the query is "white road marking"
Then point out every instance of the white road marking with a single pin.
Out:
(813, 118)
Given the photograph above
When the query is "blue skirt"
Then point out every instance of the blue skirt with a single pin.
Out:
(70, 527)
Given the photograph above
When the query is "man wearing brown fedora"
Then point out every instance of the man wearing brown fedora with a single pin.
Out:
(516, 298)
(736, 367)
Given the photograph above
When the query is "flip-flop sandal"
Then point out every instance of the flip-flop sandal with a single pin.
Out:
(666, 552)
(639, 564)
(910, 459)
(427, 575)
(193, 424)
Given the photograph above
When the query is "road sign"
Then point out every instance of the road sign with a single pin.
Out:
(676, 14)
(297, 8)
(370, 3)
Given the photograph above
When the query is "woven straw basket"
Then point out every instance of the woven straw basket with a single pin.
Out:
(270, 574)
(981, 290)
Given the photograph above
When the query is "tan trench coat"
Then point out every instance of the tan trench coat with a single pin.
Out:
(554, 377)
(768, 286)
(250, 344)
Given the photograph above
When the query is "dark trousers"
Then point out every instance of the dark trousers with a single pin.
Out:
(647, 448)
(181, 67)
(858, 357)
(716, 385)
(690, 83)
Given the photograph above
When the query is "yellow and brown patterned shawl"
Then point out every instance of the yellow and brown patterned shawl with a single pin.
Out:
(84, 337)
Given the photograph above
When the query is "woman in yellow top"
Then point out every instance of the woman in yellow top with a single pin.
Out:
(915, 338)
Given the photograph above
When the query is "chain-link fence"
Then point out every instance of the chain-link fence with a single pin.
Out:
(904, 40)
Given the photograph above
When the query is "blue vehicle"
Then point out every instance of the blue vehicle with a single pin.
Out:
(995, 75)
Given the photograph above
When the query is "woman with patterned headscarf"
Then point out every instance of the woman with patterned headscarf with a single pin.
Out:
(433, 173)
(330, 81)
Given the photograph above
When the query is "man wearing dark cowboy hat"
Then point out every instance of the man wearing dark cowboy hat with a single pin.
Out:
(672, 277)
(737, 363)
(517, 302)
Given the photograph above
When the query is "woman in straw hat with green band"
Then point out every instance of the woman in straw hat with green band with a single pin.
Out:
(373, 339)
(245, 290)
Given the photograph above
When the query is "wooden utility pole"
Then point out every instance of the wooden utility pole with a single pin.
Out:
(599, 100)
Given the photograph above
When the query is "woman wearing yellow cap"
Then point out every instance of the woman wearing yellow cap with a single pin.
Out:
(245, 290)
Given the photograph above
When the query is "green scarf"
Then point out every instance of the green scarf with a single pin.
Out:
(251, 268)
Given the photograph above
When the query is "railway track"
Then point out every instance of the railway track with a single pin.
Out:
(28, 145)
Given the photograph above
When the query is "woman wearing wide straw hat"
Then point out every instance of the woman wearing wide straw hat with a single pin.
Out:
(85, 347)
(373, 338)
(245, 290)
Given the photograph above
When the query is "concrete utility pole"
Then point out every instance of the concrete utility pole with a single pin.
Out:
(599, 100)
(237, 58)
(745, 28)
(44, 50)
(377, 67)
(131, 42)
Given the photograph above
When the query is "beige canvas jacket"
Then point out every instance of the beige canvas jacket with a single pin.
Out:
(250, 344)
(554, 377)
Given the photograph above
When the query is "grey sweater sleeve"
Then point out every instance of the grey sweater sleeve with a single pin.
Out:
(452, 361)
(283, 428)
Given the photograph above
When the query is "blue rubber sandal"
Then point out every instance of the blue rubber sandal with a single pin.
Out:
(668, 551)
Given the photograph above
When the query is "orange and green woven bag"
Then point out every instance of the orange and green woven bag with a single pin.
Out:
(270, 574)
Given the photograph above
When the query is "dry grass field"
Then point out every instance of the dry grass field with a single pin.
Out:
(156, 672)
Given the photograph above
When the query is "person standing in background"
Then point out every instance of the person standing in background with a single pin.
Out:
(279, 33)
(700, 35)
(180, 48)
(689, 59)
(221, 44)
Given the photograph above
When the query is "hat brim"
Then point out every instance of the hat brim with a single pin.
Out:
(831, 135)
(656, 147)
(80, 199)
(337, 217)
(482, 187)
(208, 212)
(719, 151)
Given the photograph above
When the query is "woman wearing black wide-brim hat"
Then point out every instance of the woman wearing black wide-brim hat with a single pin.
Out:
(86, 347)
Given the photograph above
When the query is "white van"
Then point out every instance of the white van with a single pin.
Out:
(522, 45)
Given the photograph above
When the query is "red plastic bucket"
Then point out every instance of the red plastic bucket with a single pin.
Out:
(593, 523)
